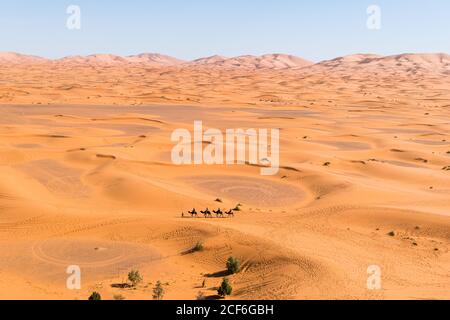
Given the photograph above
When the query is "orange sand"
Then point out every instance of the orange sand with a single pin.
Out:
(87, 178)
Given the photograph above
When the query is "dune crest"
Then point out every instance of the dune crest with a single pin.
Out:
(268, 61)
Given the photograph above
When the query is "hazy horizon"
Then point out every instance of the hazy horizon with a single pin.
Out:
(314, 31)
(202, 57)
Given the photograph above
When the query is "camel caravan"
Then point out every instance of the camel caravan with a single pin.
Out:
(208, 214)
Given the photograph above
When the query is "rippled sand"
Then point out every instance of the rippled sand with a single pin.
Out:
(87, 179)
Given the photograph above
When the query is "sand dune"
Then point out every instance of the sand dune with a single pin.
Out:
(87, 177)
(408, 64)
(147, 59)
(17, 58)
(269, 61)
(154, 59)
(113, 80)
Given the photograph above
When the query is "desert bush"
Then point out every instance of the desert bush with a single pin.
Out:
(198, 247)
(158, 291)
(135, 277)
(225, 288)
(233, 265)
(95, 296)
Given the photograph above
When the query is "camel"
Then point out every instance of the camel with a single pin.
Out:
(230, 213)
(206, 213)
(218, 213)
(193, 213)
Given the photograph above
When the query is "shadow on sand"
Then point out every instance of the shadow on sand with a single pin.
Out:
(121, 285)
(220, 274)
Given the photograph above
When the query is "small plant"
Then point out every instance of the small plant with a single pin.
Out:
(198, 247)
(158, 291)
(225, 288)
(233, 265)
(327, 164)
(391, 234)
(135, 277)
(119, 297)
(218, 200)
(95, 296)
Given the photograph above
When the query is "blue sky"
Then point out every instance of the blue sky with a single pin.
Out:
(188, 29)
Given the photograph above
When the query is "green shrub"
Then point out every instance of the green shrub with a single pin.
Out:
(95, 296)
(198, 247)
(135, 277)
(233, 265)
(225, 288)
(158, 291)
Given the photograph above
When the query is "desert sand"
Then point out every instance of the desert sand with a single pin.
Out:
(87, 177)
